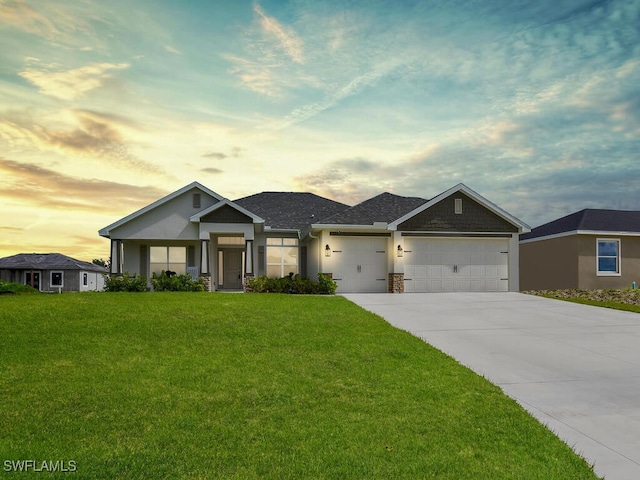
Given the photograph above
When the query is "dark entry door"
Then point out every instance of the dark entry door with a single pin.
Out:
(232, 269)
(33, 279)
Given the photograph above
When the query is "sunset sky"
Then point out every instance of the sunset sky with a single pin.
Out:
(107, 106)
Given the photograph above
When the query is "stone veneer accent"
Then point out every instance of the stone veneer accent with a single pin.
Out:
(396, 283)
(206, 279)
(245, 284)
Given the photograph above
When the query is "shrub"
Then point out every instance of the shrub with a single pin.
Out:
(327, 285)
(14, 287)
(170, 282)
(126, 283)
(293, 284)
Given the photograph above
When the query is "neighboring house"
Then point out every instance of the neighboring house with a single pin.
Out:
(457, 241)
(589, 249)
(52, 272)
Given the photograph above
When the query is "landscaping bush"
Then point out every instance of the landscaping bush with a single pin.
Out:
(327, 285)
(126, 283)
(170, 282)
(293, 284)
(14, 287)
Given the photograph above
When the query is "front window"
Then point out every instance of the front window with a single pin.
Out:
(56, 279)
(608, 256)
(282, 256)
(169, 259)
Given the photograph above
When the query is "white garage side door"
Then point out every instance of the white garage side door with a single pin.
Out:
(360, 264)
(456, 265)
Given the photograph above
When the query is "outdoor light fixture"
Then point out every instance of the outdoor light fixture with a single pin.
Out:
(327, 250)
(400, 251)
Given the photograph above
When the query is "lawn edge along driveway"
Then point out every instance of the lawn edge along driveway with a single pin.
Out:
(574, 367)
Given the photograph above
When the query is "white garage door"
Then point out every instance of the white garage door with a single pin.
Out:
(456, 265)
(359, 264)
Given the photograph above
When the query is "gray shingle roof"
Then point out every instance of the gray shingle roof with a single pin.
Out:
(385, 207)
(46, 261)
(589, 219)
(290, 210)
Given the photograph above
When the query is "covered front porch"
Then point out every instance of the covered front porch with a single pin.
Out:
(227, 257)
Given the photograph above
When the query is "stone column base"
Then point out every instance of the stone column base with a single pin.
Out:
(396, 283)
(206, 280)
(245, 283)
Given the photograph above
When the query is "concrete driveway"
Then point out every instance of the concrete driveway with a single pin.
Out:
(574, 367)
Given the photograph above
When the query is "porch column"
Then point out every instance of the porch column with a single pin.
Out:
(248, 258)
(204, 258)
(116, 257)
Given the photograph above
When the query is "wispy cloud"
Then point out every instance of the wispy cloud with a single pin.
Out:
(173, 50)
(216, 155)
(272, 48)
(234, 152)
(21, 15)
(31, 184)
(212, 170)
(351, 87)
(52, 80)
(285, 37)
(87, 133)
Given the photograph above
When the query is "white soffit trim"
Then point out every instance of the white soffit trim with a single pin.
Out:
(461, 187)
(268, 229)
(196, 218)
(105, 232)
(580, 232)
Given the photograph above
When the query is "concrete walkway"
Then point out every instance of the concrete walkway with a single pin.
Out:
(574, 367)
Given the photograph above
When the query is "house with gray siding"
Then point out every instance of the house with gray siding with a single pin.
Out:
(52, 272)
(455, 241)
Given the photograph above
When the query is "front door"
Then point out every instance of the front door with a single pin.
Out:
(33, 279)
(232, 269)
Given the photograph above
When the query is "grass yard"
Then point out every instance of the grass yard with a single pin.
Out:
(187, 385)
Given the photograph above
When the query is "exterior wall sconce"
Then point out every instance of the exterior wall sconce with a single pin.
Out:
(327, 250)
(400, 251)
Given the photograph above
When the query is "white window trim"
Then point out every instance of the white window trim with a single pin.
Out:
(618, 259)
(166, 262)
(281, 246)
(458, 206)
(61, 272)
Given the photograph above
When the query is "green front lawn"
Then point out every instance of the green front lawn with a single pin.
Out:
(198, 385)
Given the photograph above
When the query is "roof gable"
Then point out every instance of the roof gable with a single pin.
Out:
(484, 216)
(441, 217)
(589, 220)
(385, 207)
(226, 212)
(46, 261)
(106, 231)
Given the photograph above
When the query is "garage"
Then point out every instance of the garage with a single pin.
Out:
(456, 264)
(359, 263)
